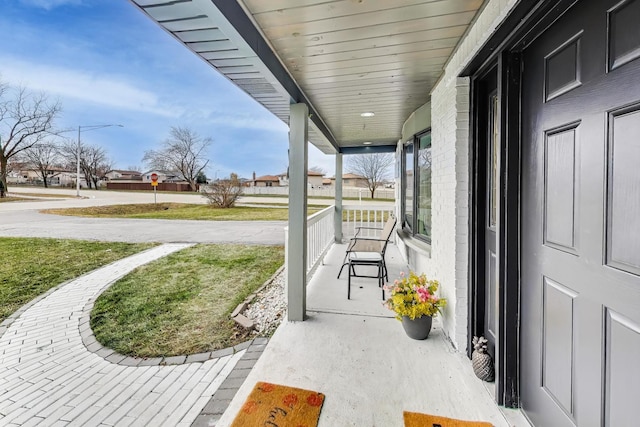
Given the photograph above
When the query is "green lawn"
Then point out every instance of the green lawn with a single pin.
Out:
(181, 304)
(198, 212)
(179, 211)
(30, 267)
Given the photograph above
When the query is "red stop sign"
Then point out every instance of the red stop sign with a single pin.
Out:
(154, 177)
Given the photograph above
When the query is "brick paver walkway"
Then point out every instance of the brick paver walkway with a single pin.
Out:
(49, 377)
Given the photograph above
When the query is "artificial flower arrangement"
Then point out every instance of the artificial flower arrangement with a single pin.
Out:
(414, 296)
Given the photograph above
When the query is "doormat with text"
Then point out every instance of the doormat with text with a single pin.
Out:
(279, 405)
(414, 419)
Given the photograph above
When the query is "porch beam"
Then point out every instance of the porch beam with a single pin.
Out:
(337, 223)
(297, 238)
(368, 149)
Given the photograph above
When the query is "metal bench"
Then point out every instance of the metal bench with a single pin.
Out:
(365, 258)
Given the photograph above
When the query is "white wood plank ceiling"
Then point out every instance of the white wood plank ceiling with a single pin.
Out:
(343, 57)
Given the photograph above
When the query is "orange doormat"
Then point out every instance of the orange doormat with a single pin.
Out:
(414, 419)
(281, 406)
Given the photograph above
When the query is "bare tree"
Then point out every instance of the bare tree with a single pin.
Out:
(94, 161)
(69, 152)
(96, 164)
(223, 193)
(25, 120)
(184, 152)
(42, 157)
(374, 167)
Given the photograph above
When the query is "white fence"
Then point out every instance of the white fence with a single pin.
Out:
(351, 192)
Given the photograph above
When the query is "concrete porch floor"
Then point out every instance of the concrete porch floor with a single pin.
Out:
(357, 354)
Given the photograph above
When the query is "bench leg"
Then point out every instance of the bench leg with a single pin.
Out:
(341, 268)
(380, 275)
(349, 282)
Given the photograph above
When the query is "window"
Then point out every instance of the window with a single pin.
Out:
(493, 158)
(416, 186)
(408, 186)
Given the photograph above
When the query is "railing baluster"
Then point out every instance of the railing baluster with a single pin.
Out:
(320, 227)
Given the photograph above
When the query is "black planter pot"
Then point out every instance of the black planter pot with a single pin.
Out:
(418, 328)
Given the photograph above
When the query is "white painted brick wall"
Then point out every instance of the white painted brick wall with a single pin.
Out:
(449, 258)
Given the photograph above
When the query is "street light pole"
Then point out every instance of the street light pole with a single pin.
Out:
(78, 165)
(80, 129)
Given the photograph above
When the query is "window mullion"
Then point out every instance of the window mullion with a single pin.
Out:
(416, 183)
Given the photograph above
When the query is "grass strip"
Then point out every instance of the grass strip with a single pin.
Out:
(179, 211)
(7, 199)
(46, 195)
(181, 303)
(32, 266)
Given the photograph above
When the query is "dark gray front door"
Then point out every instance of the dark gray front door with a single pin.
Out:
(580, 259)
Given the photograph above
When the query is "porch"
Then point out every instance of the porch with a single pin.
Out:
(357, 354)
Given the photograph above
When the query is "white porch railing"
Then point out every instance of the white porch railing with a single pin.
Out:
(320, 235)
(364, 216)
(351, 192)
(320, 231)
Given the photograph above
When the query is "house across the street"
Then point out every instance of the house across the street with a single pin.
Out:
(265, 181)
(123, 176)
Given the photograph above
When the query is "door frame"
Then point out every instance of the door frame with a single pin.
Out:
(479, 182)
(507, 358)
(523, 25)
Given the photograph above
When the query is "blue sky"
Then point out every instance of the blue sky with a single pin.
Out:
(108, 63)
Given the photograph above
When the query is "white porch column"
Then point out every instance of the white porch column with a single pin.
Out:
(337, 216)
(297, 243)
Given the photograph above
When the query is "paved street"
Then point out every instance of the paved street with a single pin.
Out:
(30, 223)
(22, 219)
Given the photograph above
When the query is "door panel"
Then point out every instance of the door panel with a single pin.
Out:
(623, 248)
(580, 212)
(560, 184)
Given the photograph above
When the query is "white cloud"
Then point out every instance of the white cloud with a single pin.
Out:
(50, 4)
(252, 118)
(321, 160)
(93, 87)
(249, 122)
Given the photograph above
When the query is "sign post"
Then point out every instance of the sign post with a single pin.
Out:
(154, 184)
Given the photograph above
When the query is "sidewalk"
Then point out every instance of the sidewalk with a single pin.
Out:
(48, 377)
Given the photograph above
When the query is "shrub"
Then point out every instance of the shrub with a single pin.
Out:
(223, 193)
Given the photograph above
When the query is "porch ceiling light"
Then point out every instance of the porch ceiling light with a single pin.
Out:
(367, 143)
(367, 114)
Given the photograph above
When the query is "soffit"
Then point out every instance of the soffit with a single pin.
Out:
(342, 57)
